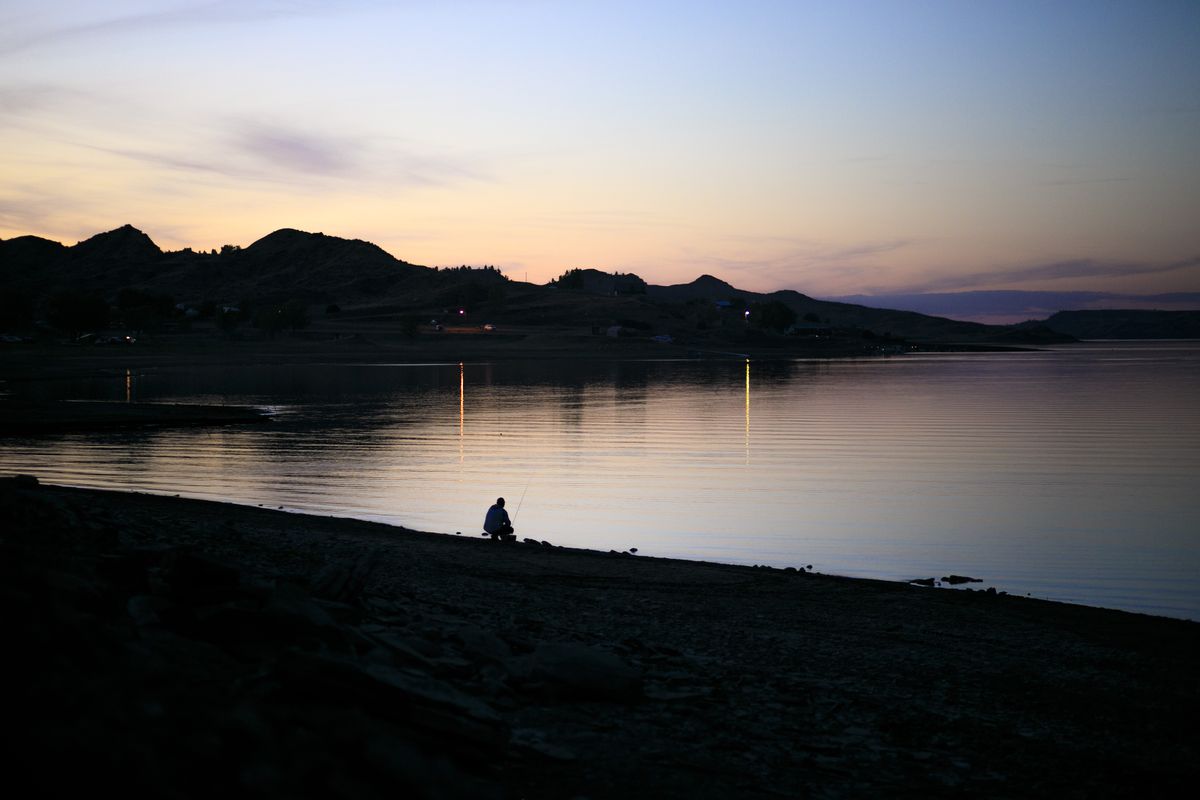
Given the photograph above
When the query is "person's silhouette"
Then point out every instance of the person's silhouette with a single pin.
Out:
(497, 524)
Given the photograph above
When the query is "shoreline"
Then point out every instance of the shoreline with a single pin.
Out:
(952, 583)
(288, 652)
(40, 360)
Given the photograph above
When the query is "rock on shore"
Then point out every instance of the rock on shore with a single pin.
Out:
(175, 648)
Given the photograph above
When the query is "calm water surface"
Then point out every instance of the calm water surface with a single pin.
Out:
(1071, 474)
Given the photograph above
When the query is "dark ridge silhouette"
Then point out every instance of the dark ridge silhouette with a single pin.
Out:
(994, 305)
(370, 286)
(705, 287)
(126, 244)
(23, 256)
(595, 281)
(287, 244)
(899, 323)
(320, 267)
(1126, 324)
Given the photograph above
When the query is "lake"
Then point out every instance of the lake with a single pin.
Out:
(1070, 474)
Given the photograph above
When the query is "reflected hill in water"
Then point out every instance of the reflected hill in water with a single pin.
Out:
(291, 281)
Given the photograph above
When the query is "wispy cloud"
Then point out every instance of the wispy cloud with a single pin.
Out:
(172, 161)
(26, 208)
(20, 99)
(19, 38)
(614, 220)
(282, 154)
(791, 254)
(1070, 269)
(27, 105)
(767, 263)
(296, 151)
(275, 149)
(1082, 181)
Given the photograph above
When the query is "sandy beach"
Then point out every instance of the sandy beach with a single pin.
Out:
(177, 648)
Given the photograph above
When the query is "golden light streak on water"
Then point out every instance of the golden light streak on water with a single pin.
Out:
(462, 419)
(747, 411)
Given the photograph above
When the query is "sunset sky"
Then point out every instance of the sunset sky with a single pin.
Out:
(832, 148)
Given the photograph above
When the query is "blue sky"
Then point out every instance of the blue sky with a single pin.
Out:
(833, 148)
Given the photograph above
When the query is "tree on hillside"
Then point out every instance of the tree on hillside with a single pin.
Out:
(75, 311)
(628, 283)
(16, 310)
(269, 320)
(772, 316)
(294, 314)
(141, 309)
(272, 319)
(571, 279)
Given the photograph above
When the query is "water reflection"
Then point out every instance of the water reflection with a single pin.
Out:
(1068, 474)
(747, 411)
(462, 400)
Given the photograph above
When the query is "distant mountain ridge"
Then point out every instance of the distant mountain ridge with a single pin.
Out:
(311, 266)
(1009, 306)
(125, 244)
(314, 268)
(885, 321)
(1127, 324)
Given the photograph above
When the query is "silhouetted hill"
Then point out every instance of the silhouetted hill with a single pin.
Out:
(281, 265)
(1127, 324)
(906, 324)
(127, 270)
(1005, 306)
(125, 245)
(594, 281)
(109, 260)
(706, 287)
(23, 256)
(311, 266)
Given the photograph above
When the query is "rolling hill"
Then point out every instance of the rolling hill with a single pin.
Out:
(365, 282)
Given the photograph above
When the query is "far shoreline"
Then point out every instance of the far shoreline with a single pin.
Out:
(47, 359)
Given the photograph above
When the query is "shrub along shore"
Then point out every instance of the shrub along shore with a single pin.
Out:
(177, 648)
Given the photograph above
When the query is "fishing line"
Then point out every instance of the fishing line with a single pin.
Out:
(522, 500)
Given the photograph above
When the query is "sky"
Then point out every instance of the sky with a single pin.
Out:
(827, 147)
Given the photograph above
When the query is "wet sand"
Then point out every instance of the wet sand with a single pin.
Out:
(182, 647)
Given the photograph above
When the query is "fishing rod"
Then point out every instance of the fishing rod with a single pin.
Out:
(522, 500)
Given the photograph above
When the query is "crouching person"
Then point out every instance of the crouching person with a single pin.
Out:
(497, 524)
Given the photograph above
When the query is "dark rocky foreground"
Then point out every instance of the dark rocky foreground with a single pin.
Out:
(174, 648)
